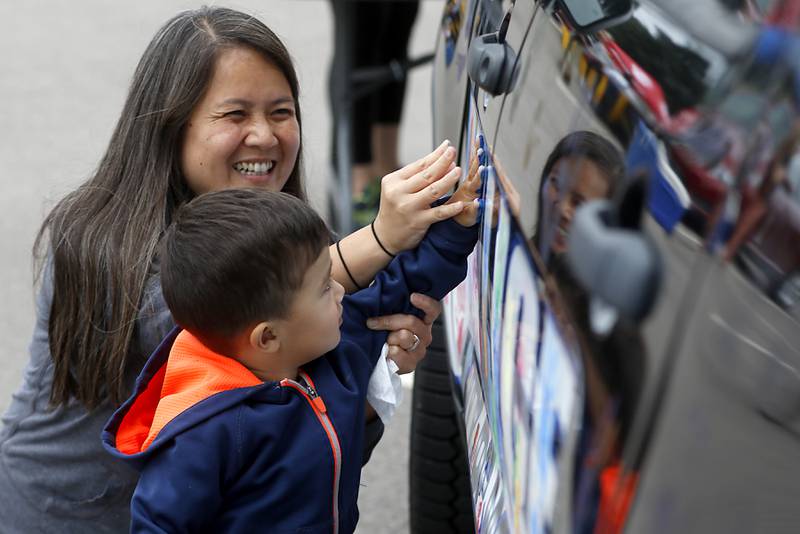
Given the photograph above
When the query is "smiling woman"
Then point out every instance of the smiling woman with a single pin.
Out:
(244, 131)
(213, 104)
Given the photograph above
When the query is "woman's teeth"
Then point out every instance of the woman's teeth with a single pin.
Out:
(254, 168)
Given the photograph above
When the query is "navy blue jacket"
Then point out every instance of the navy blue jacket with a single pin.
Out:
(248, 456)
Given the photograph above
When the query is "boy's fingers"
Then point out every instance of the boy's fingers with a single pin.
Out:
(473, 165)
(470, 213)
(474, 209)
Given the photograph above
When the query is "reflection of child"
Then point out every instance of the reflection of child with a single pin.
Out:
(252, 416)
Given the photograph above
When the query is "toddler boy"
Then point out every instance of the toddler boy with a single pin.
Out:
(251, 418)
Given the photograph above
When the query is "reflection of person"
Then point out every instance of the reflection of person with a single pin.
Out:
(212, 105)
(582, 166)
(380, 33)
(240, 418)
(585, 166)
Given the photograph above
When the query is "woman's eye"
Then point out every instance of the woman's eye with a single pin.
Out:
(234, 113)
(284, 112)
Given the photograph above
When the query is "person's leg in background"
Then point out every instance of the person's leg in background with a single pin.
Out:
(380, 31)
(369, 23)
(383, 30)
(396, 33)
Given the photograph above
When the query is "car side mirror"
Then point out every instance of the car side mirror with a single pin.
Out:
(616, 264)
(491, 63)
(592, 15)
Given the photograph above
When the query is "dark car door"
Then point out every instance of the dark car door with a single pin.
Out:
(608, 407)
(690, 405)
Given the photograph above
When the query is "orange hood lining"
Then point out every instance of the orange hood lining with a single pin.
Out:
(193, 373)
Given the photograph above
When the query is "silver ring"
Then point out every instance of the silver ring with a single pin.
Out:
(414, 345)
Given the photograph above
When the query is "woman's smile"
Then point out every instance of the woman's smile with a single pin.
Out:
(257, 172)
(244, 131)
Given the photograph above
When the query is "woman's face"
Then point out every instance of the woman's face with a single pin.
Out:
(584, 180)
(244, 131)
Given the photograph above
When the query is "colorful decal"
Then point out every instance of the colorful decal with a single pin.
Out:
(487, 495)
(521, 384)
(556, 414)
(519, 347)
(457, 306)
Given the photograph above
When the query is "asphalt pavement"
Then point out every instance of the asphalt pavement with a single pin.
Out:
(65, 70)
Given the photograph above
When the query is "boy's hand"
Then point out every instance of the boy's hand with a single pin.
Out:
(468, 191)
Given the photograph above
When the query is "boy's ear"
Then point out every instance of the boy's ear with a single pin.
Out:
(263, 338)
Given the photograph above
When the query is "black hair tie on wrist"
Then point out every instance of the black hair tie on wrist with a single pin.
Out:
(372, 225)
(346, 269)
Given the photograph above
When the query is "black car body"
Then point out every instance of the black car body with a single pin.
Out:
(624, 353)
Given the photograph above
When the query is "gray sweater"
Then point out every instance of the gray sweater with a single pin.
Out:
(54, 474)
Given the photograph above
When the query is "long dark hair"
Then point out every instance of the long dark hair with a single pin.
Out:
(102, 238)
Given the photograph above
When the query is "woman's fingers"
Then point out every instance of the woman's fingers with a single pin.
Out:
(444, 212)
(404, 330)
(405, 214)
(431, 307)
(433, 173)
(406, 361)
(434, 191)
(421, 164)
(401, 321)
(403, 339)
(398, 322)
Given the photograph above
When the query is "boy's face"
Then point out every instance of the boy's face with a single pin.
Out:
(312, 326)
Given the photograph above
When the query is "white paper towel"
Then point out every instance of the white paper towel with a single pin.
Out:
(385, 391)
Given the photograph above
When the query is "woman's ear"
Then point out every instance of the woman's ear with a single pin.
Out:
(263, 338)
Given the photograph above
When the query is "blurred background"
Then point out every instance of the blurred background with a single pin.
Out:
(65, 71)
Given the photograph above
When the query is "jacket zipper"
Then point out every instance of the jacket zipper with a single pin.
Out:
(307, 390)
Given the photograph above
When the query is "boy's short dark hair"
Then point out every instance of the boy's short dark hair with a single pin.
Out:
(235, 257)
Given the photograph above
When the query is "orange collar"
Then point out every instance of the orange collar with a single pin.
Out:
(192, 373)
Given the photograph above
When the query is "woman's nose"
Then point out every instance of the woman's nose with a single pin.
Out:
(260, 134)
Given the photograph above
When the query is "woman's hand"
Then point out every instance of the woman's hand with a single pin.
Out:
(405, 211)
(403, 328)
